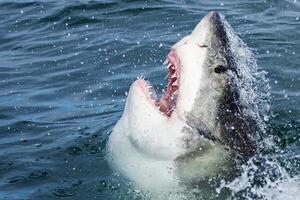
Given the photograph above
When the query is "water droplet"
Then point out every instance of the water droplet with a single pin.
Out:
(266, 118)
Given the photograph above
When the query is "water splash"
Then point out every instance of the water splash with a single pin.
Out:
(263, 178)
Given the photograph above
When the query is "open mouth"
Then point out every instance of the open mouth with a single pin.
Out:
(167, 103)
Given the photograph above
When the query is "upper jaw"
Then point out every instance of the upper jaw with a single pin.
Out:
(185, 65)
(167, 104)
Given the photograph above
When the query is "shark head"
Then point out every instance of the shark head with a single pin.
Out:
(199, 67)
(198, 114)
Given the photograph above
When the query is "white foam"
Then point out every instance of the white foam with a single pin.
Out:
(277, 183)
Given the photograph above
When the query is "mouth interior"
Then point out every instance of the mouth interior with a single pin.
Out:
(167, 103)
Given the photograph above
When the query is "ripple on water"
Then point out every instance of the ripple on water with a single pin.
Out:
(39, 173)
(16, 179)
(64, 192)
(65, 67)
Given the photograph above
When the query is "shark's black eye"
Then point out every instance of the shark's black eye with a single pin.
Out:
(220, 69)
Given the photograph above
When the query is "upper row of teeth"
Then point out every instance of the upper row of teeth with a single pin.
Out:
(171, 66)
(175, 83)
(166, 61)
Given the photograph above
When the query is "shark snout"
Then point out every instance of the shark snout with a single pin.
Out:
(213, 15)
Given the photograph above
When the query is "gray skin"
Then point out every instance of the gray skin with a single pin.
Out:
(217, 113)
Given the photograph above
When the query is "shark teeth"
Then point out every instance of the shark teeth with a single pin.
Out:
(166, 61)
(141, 77)
(175, 83)
(174, 76)
(171, 75)
(167, 103)
(168, 75)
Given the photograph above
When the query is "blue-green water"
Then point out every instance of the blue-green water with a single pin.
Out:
(65, 67)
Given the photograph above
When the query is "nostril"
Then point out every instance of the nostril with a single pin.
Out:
(220, 69)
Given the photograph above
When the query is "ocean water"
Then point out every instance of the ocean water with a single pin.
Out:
(65, 68)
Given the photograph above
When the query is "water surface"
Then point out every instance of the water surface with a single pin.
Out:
(65, 68)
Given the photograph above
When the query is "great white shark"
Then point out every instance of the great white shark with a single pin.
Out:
(196, 127)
